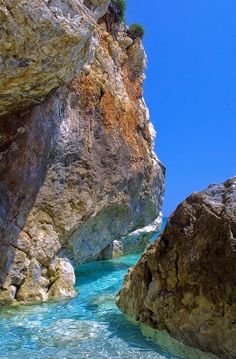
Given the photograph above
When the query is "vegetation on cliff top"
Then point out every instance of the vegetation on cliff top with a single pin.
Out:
(136, 31)
(119, 7)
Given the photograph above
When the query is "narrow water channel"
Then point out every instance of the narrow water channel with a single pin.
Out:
(89, 326)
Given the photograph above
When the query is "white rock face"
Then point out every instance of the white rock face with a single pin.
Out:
(133, 242)
(64, 279)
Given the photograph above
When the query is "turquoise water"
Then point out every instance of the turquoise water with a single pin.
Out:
(89, 326)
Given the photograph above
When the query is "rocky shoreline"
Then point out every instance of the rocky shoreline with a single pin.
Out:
(80, 181)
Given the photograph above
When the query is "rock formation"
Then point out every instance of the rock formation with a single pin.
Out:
(186, 282)
(134, 242)
(43, 45)
(77, 171)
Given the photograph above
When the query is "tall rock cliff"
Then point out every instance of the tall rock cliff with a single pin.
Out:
(186, 282)
(77, 171)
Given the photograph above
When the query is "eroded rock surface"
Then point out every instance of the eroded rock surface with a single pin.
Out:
(77, 172)
(186, 282)
(43, 45)
(134, 242)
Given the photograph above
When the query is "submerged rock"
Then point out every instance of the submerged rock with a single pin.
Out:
(186, 282)
(77, 171)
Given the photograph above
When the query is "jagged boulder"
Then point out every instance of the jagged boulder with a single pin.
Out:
(186, 282)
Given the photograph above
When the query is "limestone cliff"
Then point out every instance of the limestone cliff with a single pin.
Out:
(186, 282)
(78, 170)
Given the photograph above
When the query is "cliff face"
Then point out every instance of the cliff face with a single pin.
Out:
(77, 171)
(186, 282)
(43, 45)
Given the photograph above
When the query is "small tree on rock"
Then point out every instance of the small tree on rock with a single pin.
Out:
(118, 8)
(136, 31)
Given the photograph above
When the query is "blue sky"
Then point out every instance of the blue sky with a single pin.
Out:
(191, 89)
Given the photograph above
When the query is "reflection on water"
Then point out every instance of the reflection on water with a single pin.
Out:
(89, 326)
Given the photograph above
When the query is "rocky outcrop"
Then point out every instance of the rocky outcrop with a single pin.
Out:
(42, 47)
(186, 282)
(134, 242)
(77, 171)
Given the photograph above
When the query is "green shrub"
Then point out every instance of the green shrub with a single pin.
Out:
(136, 31)
(118, 7)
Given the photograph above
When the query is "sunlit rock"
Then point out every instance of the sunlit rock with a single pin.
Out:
(185, 283)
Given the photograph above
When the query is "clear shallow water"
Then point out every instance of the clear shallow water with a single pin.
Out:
(89, 326)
